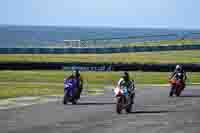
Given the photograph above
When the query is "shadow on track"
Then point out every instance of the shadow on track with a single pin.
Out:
(192, 96)
(151, 112)
(93, 103)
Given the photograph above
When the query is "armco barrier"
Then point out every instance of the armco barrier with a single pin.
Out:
(96, 66)
(96, 50)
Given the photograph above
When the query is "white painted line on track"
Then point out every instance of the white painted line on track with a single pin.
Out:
(11, 103)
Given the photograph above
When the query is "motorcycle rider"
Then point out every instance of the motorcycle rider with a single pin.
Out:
(126, 82)
(79, 83)
(179, 74)
(76, 77)
(69, 81)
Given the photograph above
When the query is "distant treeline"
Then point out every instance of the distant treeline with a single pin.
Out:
(96, 66)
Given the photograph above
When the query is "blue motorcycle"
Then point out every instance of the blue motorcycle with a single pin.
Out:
(70, 91)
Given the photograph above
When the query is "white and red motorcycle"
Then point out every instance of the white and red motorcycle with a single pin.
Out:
(123, 99)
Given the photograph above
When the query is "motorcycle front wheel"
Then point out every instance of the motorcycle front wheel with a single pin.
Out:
(119, 105)
(65, 99)
(172, 91)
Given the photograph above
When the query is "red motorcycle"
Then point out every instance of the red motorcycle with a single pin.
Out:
(176, 87)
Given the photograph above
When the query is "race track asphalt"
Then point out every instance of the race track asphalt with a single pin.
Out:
(154, 112)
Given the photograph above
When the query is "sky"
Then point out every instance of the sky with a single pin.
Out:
(114, 13)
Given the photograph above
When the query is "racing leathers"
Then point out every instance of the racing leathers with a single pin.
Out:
(180, 75)
(79, 85)
(130, 85)
(78, 81)
(70, 84)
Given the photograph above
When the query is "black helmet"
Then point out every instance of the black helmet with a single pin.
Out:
(76, 72)
(125, 76)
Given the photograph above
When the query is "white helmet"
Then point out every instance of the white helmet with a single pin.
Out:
(178, 67)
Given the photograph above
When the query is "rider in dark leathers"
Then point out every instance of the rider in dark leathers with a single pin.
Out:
(180, 74)
(125, 81)
(79, 84)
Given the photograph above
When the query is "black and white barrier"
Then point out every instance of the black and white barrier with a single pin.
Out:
(95, 66)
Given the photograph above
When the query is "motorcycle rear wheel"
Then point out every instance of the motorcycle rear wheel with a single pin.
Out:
(171, 91)
(129, 106)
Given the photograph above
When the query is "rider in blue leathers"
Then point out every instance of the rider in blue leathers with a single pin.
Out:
(77, 81)
(70, 83)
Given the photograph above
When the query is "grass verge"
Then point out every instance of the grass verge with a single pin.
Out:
(165, 42)
(34, 83)
(186, 56)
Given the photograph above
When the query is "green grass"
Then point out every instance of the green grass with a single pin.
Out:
(15, 89)
(186, 56)
(34, 83)
(167, 42)
(145, 43)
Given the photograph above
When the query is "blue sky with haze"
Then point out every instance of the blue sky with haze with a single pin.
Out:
(115, 13)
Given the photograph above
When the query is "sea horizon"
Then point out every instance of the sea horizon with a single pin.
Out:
(45, 35)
